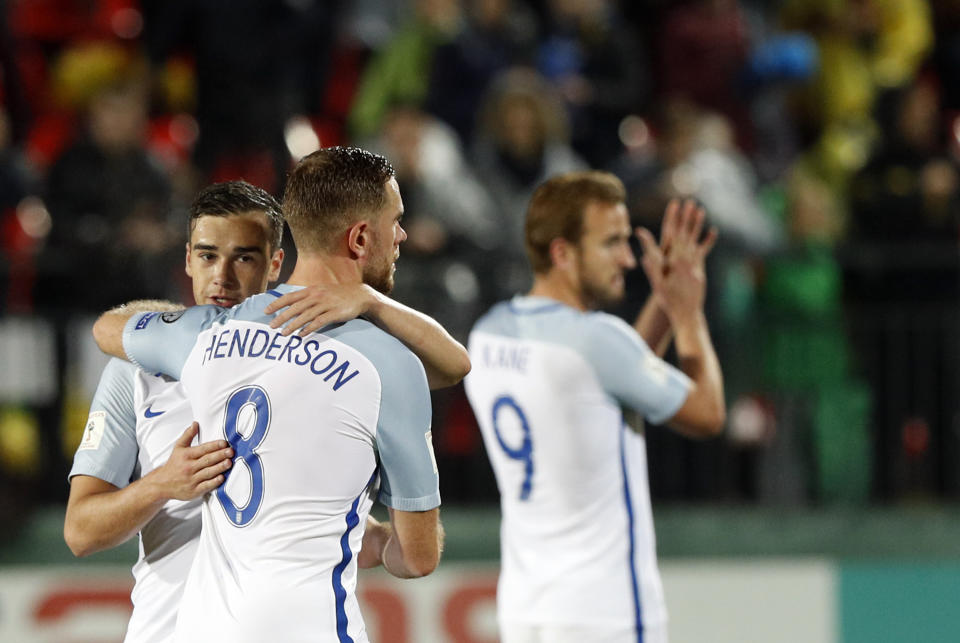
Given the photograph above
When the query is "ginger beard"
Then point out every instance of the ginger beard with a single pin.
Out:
(601, 292)
(386, 237)
(379, 275)
(604, 255)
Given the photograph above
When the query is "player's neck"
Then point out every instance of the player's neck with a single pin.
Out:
(323, 270)
(556, 286)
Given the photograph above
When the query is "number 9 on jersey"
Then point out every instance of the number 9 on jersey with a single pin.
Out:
(506, 404)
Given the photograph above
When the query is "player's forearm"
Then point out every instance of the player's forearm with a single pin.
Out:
(393, 560)
(415, 544)
(698, 360)
(108, 329)
(445, 360)
(653, 325)
(104, 520)
(406, 563)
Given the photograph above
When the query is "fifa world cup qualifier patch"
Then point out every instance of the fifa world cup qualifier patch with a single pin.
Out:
(93, 432)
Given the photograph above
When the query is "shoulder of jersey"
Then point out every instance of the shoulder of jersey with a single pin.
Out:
(384, 351)
(603, 329)
(250, 309)
(606, 319)
(364, 331)
(494, 311)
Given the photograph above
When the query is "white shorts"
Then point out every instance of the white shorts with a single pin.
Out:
(529, 633)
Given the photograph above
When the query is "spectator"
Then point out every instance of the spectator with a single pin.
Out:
(257, 63)
(23, 225)
(696, 156)
(910, 189)
(599, 68)
(865, 47)
(523, 139)
(109, 204)
(400, 71)
(703, 49)
(495, 35)
(821, 448)
(16, 179)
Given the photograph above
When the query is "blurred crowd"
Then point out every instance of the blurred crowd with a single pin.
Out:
(822, 136)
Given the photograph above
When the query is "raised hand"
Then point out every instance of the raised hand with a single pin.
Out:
(310, 309)
(675, 267)
(192, 471)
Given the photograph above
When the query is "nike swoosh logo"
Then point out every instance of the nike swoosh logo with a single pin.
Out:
(152, 414)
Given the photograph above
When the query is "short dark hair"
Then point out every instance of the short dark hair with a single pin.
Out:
(331, 189)
(237, 197)
(558, 207)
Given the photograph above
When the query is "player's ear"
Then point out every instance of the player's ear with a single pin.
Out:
(561, 253)
(276, 263)
(359, 239)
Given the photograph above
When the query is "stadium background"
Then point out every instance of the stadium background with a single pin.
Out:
(823, 136)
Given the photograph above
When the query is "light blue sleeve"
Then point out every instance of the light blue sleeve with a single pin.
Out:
(408, 468)
(161, 342)
(630, 372)
(108, 449)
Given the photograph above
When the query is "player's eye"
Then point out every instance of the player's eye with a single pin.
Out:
(618, 241)
(207, 256)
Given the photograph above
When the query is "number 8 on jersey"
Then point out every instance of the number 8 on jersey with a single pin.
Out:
(245, 449)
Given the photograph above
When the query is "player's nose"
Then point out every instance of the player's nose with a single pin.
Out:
(223, 273)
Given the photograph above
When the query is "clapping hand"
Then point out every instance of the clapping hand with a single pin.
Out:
(675, 267)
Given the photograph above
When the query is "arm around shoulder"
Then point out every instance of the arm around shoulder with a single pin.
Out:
(108, 329)
(445, 360)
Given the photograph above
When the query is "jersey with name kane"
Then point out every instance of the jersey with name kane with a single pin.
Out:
(547, 385)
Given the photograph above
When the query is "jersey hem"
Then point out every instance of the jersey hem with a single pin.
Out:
(100, 474)
(424, 503)
(661, 418)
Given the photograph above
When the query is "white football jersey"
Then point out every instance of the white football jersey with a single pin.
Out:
(321, 426)
(577, 542)
(135, 419)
